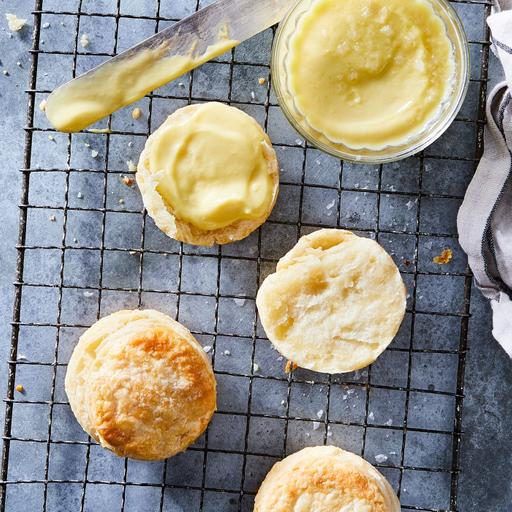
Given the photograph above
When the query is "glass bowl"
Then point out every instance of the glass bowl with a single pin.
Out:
(414, 144)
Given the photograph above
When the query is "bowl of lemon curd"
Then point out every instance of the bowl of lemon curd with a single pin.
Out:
(371, 80)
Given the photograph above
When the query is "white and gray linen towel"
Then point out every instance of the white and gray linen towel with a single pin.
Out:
(485, 218)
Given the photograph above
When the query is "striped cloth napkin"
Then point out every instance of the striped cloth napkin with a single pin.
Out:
(485, 218)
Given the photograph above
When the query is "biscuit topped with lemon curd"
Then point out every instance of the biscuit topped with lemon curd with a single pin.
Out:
(208, 175)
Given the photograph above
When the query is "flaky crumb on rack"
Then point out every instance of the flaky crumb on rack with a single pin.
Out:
(136, 113)
(290, 367)
(129, 182)
(444, 258)
(14, 23)
(84, 41)
(131, 166)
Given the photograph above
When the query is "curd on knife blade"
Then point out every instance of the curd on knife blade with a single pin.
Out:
(78, 104)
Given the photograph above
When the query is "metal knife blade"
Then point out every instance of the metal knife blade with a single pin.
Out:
(159, 59)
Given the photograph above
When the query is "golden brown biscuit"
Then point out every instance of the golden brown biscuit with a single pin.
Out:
(325, 479)
(141, 385)
(335, 302)
(213, 158)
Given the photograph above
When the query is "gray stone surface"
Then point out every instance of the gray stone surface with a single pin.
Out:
(217, 291)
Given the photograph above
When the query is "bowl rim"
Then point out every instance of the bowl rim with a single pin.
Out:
(405, 151)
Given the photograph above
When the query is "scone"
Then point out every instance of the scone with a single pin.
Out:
(208, 175)
(335, 302)
(325, 479)
(140, 384)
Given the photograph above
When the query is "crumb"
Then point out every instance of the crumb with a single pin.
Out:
(133, 253)
(18, 63)
(51, 138)
(371, 416)
(94, 153)
(207, 348)
(84, 41)
(46, 25)
(80, 195)
(407, 263)
(255, 367)
(410, 205)
(87, 145)
(389, 422)
(5, 72)
(444, 258)
(52, 218)
(136, 113)
(128, 181)
(88, 294)
(121, 201)
(283, 402)
(320, 413)
(20, 388)
(380, 458)
(42, 106)
(130, 144)
(131, 167)
(181, 84)
(75, 240)
(298, 142)
(262, 81)
(15, 24)
(316, 425)
(253, 96)
(227, 353)
(290, 367)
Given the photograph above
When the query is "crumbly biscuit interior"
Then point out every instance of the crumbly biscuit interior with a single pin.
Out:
(335, 302)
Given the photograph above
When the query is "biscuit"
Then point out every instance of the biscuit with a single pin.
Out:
(325, 479)
(335, 302)
(196, 151)
(140, 384)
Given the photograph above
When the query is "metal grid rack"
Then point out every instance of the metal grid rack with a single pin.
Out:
(84, 254)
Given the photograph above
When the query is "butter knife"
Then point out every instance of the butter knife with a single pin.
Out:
(159, 59)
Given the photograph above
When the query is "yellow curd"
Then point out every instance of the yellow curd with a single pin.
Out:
(369, 73)
(78, 104)
(211, 167)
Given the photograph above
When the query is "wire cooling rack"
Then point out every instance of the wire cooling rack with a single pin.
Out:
(86, 248)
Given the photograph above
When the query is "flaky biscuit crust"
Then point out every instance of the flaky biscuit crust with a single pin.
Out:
(325, 479)
(141, 385)
(164, 215)
(335, 302)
